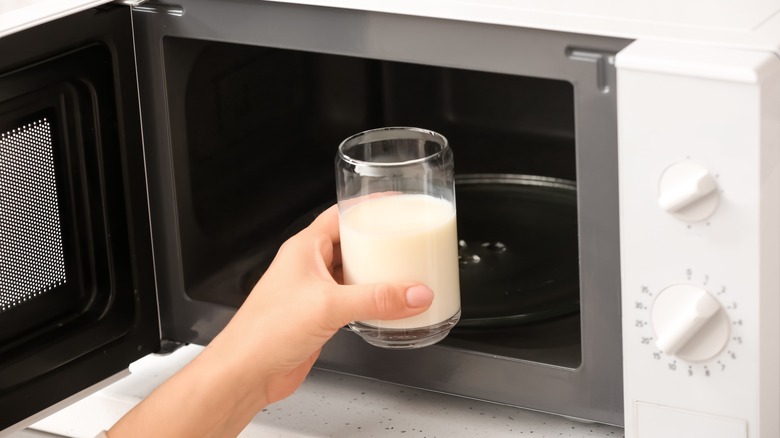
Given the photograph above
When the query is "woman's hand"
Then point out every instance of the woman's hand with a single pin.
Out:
(297, 306)
(270, 345)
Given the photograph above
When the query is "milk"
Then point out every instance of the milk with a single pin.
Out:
(405, 237)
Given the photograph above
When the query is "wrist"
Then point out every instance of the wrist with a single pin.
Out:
(209, 397)
(230, 379)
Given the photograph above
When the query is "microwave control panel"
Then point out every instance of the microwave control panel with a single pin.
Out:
(700, 240)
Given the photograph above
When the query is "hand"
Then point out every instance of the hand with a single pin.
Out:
(270, 345)
(297, 306)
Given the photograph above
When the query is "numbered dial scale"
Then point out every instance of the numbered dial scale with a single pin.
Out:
(687, 327)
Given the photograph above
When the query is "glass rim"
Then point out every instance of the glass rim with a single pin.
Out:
(352, 141)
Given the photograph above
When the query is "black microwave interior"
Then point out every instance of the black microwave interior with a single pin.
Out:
(254, 132)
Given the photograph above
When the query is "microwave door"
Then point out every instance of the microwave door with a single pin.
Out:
(77, 288)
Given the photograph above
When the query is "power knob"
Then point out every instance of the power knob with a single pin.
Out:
(688, 191)
(689, 323)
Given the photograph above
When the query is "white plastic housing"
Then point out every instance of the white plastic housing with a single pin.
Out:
(715, 114)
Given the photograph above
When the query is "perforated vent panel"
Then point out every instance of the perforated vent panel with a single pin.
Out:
(32, 259)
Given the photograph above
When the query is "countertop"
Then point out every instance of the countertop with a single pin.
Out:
(330, 405)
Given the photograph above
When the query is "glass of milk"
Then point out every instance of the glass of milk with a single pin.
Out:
(396, 200)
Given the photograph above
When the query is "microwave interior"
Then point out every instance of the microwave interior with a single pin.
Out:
(254, 133)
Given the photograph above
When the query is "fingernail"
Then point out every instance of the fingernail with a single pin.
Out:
(418, 296)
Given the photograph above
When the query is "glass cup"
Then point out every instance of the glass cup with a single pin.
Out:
(396, 200)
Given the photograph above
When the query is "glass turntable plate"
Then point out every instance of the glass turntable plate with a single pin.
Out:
(518, 252)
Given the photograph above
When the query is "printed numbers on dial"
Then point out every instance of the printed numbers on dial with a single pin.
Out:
(691, 328)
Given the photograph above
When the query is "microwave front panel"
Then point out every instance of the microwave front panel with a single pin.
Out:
(77, 292)
(244, 104)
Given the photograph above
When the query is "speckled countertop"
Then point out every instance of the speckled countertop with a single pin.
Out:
(331, 405)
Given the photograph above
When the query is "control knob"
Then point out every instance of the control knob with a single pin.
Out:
(688, 191)
(689, 323)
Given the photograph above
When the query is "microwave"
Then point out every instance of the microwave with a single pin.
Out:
(617, 185)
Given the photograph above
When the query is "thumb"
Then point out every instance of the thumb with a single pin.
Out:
(382, 301)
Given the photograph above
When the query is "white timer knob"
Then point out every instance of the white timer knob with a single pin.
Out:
(688, 191)
(689, 323)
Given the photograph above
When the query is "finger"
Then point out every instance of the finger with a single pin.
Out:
(338, 274)
(381, 301)
(327, 223)
(337, 255)
(323, 233)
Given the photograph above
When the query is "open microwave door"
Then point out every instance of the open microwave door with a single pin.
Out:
(77, 291)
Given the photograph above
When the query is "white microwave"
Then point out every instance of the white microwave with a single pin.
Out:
(616, 177)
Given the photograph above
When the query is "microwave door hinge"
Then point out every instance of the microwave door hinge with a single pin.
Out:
(154, 7)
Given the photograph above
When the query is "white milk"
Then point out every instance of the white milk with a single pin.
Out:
(404, 238)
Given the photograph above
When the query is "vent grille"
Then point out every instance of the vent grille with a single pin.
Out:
(32, 259)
